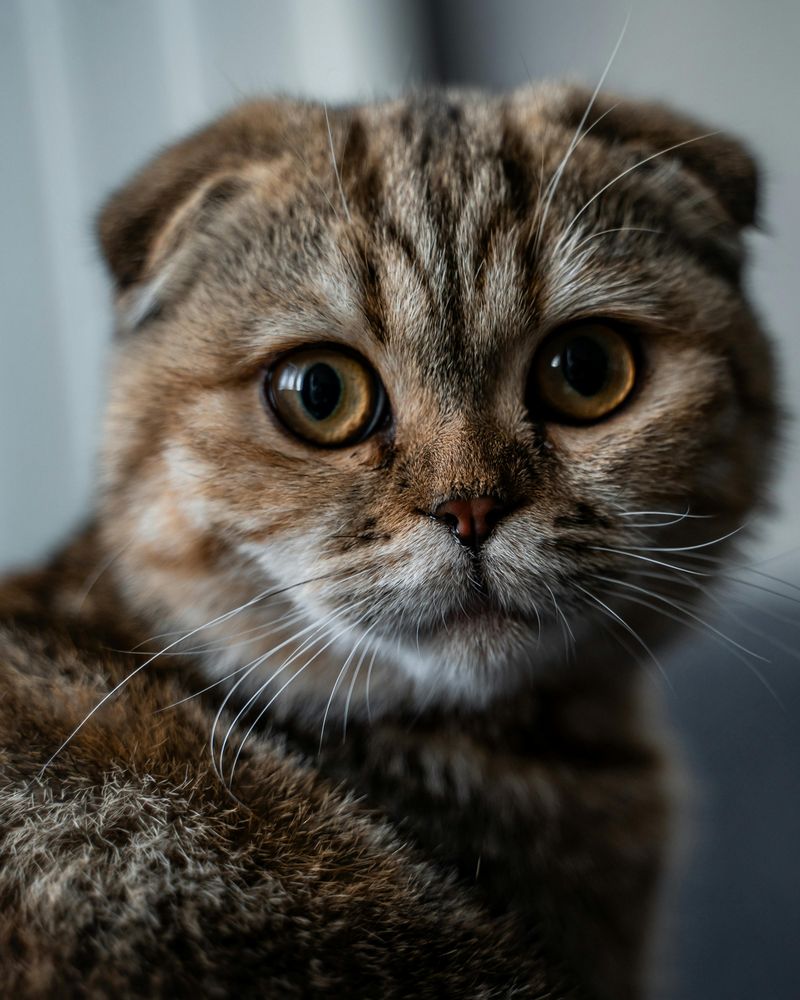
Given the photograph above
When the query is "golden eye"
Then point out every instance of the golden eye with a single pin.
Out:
(326, 396)
(582, 373)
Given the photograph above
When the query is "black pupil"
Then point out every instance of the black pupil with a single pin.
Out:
(585, 365)
(321, 390)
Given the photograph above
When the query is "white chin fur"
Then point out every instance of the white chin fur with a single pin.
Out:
(455, 659)
(363, 676)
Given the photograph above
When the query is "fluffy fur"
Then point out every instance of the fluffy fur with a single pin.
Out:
(433, 774)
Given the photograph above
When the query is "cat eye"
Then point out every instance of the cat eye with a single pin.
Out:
(582, 373)
(326, 396)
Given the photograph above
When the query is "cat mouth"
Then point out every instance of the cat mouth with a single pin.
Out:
(479, 612)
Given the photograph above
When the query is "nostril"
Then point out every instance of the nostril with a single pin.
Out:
(473, 520)
(449, 519)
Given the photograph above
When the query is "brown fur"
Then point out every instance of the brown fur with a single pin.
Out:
(131, 869)
(487, 812)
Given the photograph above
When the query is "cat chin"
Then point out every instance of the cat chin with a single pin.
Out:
(465, 666)
(475, 662)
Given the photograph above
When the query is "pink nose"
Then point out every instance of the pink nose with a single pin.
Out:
(472, 520)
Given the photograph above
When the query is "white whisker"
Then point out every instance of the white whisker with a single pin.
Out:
(624, 173)
(336, 683)
(137, 670)
(719, 638)
(649, 559)
(565, 626)
(711, 596)
(315, 628)
(217, 645)
(272, 700)
(579, 134)
(628, 629)
(335, 168)
(369, 678)
(688, 548)
(690, 614)
(665, 513)
(356, 672)
(617, 229)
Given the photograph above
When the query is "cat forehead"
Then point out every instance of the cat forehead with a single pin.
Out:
(443, 223)
(419, 216)
(433, 226)
(396, 222)
(424, 221)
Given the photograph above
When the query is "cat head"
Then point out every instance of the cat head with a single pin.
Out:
(446, 380)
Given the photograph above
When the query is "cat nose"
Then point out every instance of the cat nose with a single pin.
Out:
(472, 521)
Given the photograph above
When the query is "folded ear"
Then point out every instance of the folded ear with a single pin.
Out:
(188, 181)
(720, 162)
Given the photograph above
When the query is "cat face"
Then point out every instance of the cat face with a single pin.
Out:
(418, 380)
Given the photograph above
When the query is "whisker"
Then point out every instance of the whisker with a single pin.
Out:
(740, 567)
(336, 683)
(687, 548)
(690, 614)
(617, 229)
(675, 517)
(665, 513)
(307, 644)
(296, 616)
(727, 578)
(579, 134)
(315, 628)
(538, 622)
(356, 672)
(276, 593)
(92, 580)
(719, 639)
(569, 647)
(624, 173)
(333, 161)
(252, 666)
(137, 670)
(256, 632)
(550, 192)
(209, 687)
(747, 626)
(628, 629)
(715, 562)
(258, 718)
(311, 175)
(779, 555)
(369, 678)
(264, 710)
(648, 559)
(607, 624)
(760, 609)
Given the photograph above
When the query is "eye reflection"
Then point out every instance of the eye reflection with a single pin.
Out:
(582, 373)
(325, 396)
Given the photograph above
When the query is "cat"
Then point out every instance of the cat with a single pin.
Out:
(423, 417)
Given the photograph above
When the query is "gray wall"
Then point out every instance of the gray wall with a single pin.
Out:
(89, 88)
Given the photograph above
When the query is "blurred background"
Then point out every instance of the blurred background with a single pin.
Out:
(91, 88)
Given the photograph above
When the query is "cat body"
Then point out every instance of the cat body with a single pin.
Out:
(340, 691)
